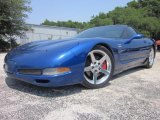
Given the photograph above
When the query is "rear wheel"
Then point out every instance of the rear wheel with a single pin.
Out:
(150, 59)
(98, 68)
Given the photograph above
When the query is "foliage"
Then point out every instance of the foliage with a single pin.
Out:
(143, 15)
(4, 46)
(12, 19)
(69, 23)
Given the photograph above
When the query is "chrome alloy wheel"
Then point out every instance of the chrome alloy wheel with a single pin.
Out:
(98, 67)
(151, 57)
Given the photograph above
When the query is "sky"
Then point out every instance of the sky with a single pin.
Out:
(75, 10)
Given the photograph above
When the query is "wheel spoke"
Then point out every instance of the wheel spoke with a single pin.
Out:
(106, 72)
(89, 68)
(95, 78)
(102, 60)
(98, 67)
(92, 57)
(151, 57)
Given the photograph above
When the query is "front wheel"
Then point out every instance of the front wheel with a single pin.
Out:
(98, 67)
(150, 60)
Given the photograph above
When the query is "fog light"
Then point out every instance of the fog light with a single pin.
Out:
(55, 71)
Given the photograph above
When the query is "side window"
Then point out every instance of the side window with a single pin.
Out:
(130, 32)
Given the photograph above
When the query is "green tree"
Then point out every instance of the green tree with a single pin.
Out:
(144, 15)
(152, 6)
(100, 20)
(12, 18)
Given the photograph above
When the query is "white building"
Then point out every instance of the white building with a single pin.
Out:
(44, 32)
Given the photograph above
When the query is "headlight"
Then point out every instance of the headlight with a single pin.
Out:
(55, 71)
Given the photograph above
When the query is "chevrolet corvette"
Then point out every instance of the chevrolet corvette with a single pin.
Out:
(91, 58)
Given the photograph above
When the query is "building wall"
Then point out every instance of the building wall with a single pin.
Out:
(43, 32)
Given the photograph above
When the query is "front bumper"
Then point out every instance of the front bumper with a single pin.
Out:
(17, 60)
(46, 81)
(54, 81)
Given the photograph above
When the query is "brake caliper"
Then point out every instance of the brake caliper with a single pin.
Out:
(104, 65)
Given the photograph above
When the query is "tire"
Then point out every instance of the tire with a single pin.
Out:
(150, 60)
(99, 68)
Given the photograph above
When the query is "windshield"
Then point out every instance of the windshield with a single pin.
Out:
(104, 32)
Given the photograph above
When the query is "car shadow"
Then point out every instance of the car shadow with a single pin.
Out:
(56, 92)
(43, 91)
(127, 72)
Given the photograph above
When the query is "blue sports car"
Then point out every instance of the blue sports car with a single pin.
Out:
(91, 58)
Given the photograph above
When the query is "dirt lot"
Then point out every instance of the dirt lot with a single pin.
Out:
(134, 94)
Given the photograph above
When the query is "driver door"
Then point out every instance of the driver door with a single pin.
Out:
(132, 51)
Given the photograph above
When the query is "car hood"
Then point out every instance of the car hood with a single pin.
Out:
(39, 48)
(55, 45)
(46, 45)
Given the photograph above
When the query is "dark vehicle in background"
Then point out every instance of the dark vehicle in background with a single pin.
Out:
(158, 44)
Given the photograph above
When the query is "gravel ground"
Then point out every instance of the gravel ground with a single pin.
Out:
(131, 95)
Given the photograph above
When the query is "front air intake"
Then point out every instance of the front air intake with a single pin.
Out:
(42, 81)
(30, 71)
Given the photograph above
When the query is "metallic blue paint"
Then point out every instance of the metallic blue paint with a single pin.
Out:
(72, 53)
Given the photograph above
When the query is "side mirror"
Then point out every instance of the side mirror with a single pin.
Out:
(137, 36)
